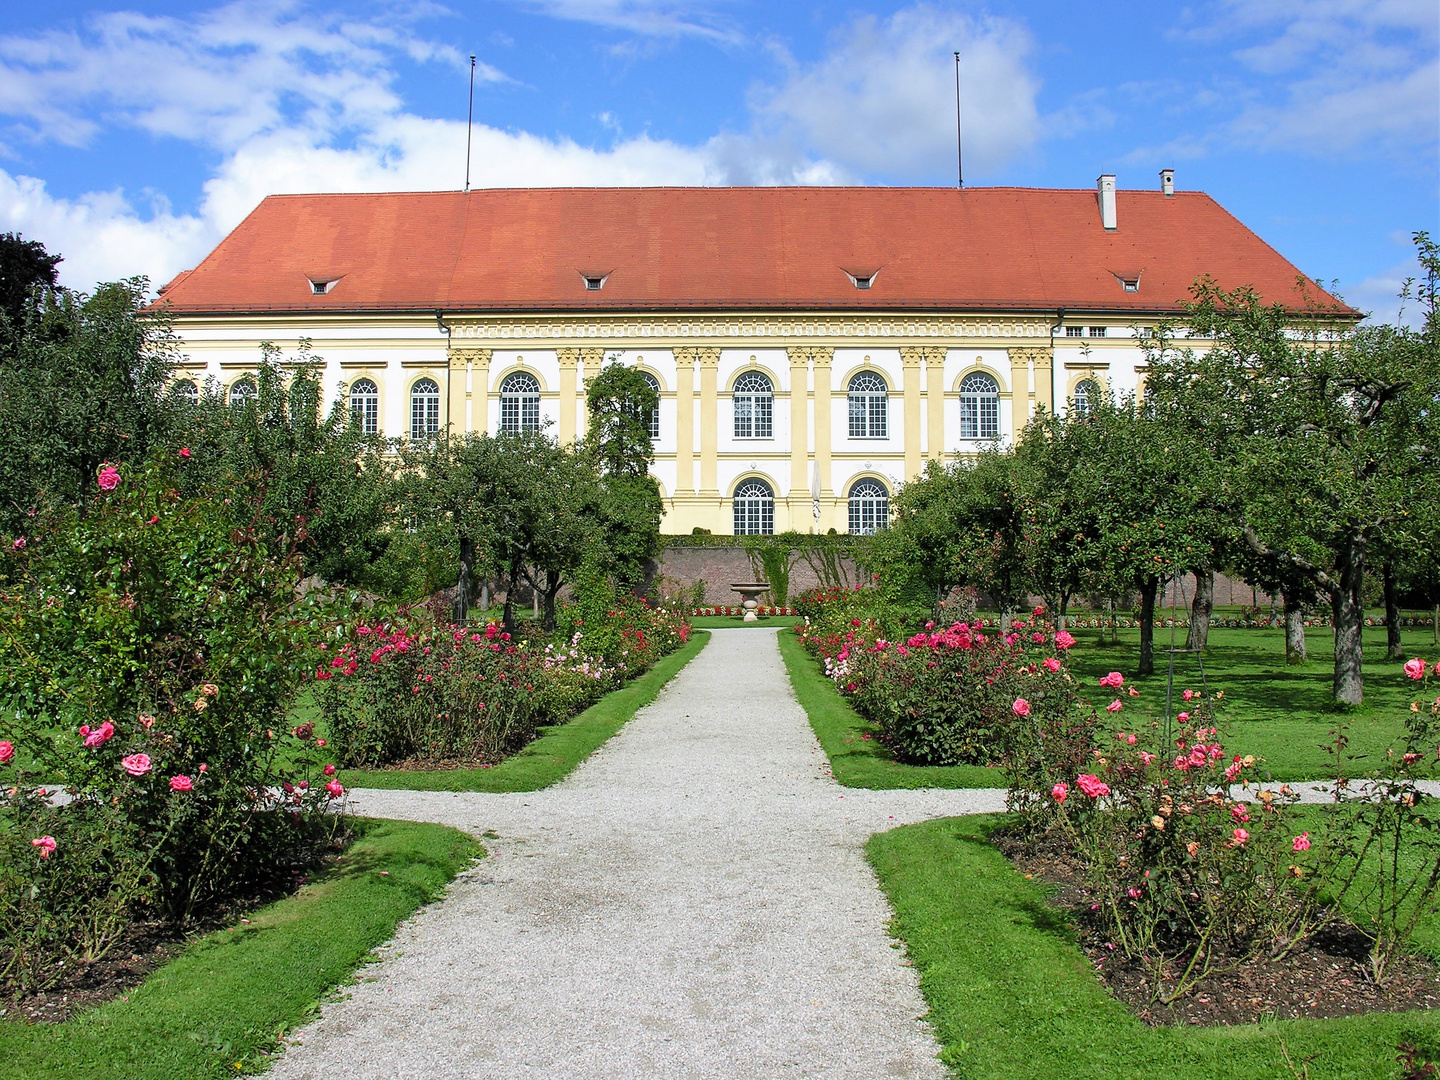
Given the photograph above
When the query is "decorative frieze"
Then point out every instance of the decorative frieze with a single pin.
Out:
(744, 329)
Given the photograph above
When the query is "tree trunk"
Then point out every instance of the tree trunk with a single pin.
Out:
(1435, 626)
(1348, 609)
(1200, 609)
(460, 606)
(1148, 588)
(1393, 650)
(1295, 651)
(553, 583)
(508, 618)
(1005, 618)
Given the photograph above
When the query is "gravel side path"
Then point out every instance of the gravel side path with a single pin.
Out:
(692, 901)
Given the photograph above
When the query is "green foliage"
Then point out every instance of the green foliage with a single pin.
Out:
(771, 559)
(630, 510)
(153, 645)
(27, 270)
(84, 385)
(323, 485)
(621, 404)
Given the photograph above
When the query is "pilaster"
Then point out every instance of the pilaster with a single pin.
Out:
(684, 421)
(569, 359)
(935, 402)
(469, 381)
(709, 359)
(591, 360)
(801, 518)
(910, 358)
(820, 360)
(1040, 361)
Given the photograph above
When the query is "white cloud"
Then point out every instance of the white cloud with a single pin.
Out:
(225, 76)
(653, 18)
(1334, 75)
(882, 100)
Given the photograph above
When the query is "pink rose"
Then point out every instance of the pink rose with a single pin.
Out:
(1240, 813)
(1037, 638)
(1301, 842)
(1184, 716)
(1092, 786)
(1063, 640)
(1021, 707)
(185, 452)
(329, 770)
(1133, 893)
(1114, 706)
(1039, 612)
(7, 751)
(319, 742)
(1146, 756)
(1114, 679)
(136, 764)
(334, 788)
(1415, 668)
(1188, 694)
(109, 478)
(181, 783)
(19, 543)
(1058, 793)
(102, 734)
(46, 844)
(1240, 837)
(1052, 664)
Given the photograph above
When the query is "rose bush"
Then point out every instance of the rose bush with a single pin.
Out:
(152, 649)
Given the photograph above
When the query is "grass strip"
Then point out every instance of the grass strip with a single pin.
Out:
(857, 759)
(212, 1010)
(737, 622)
(1012, 996)
(558, 749)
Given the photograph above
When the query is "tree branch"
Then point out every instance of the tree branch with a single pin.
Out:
(1324, 580)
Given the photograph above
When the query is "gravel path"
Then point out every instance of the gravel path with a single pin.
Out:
(692, 901)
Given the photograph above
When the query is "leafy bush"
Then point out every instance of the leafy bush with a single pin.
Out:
(944, 696)
(430, 693)
(153, 645)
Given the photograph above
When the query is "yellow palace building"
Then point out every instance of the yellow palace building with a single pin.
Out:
(812, 347)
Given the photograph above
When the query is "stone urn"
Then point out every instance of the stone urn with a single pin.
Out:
(749, 590)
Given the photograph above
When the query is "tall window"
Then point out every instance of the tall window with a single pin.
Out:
(243, 392)
(754, 407)
(654, 417)
(869, 507)
(869, 406)
(754, 509)
(979, 407)
(365, 405)
(424, 410)
(520, 402)
(1087, 393)
(186, 392)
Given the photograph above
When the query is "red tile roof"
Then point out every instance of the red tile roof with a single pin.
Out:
(729, 248)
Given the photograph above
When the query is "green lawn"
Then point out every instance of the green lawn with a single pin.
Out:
(230, 995)
(855, 760)
(726, 622)
(558, 749)
(1279, 713)
(1012, 995)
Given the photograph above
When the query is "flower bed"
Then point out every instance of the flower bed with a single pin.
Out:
(432, 694)
(764, 610)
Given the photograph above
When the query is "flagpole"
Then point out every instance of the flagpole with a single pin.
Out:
(470, 120)
(959, 141)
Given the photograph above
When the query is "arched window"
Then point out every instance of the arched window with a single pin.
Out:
(243, 392)
(365, 405)
(869, 406)
(654, 417)
(424, 410)
(754, 407)
(754, 509)
(520, 402)
(1087, 393)
(979, 407)
(869, 507)
(186, 392)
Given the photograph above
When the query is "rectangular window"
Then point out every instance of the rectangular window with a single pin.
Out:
(989, 417)
(367, 412)
(1074, 331)
(969, 418)
(744, 417)
(1097, 331)
(859, 417)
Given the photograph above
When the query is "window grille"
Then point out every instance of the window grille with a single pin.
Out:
(653, 419)
(424, 410)
(520, 402)
(869, 507)
(243, 393)
(186, 392)
(754, 407)
(754, 509)
(1097, 331)
(979, 407)
(1087, 393)
(365, 405)
(869, 406)
(1074, 331)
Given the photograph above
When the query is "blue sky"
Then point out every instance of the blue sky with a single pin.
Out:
(133, 136)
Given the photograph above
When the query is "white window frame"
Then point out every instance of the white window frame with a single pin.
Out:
(979, 406)
(754, 508)
(753, 401)
(424, 409)
(869, 506)
(869, 404)
(365, 405)
(519, 402)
